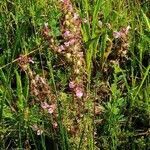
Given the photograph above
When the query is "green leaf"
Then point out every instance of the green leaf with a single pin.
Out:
(20, 102)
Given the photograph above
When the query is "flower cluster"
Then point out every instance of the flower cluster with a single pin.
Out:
(70, 48)
(50, 108)
(71, 45)
(42, 93)
(118, 50)
(40, 90)
(39, 87)
(78, 89)
(121, 45)
(23, 62)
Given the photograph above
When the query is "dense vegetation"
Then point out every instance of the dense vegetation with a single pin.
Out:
(74, 74)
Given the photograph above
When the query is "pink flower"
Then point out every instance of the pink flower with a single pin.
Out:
(70, 8)
(67, 4)
(61, 48)
(126, 30)
(122, 33)
(72, 85)
(55, 125)
(80, 54)
(67, 44)
(76, 16)
(67, 33)
(117, 35)
(79, 92)
(72, 41)
(31, 60)
(45, 105)
(52, 108)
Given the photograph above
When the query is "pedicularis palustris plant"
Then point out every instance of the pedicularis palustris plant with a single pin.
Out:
(40, 91)
(70, 48)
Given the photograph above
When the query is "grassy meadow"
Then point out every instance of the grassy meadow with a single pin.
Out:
(74, 74)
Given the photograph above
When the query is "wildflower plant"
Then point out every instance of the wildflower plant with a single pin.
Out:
(71, 49)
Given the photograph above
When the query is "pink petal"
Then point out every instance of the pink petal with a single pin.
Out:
(72, 84)
(55, 125)
(52, 108)
(67, 44)
(79, 92)
(61, 48)
(31, 60)
(116, 35)
(76, 16)
(67, 33)
(72, 41)
(45, 105)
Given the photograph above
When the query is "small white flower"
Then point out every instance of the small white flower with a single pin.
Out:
(76, 16)
(46, 24)
(67, 44)
(39, 132)
(116, 35)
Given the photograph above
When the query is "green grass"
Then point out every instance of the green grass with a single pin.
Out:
(122, 93)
